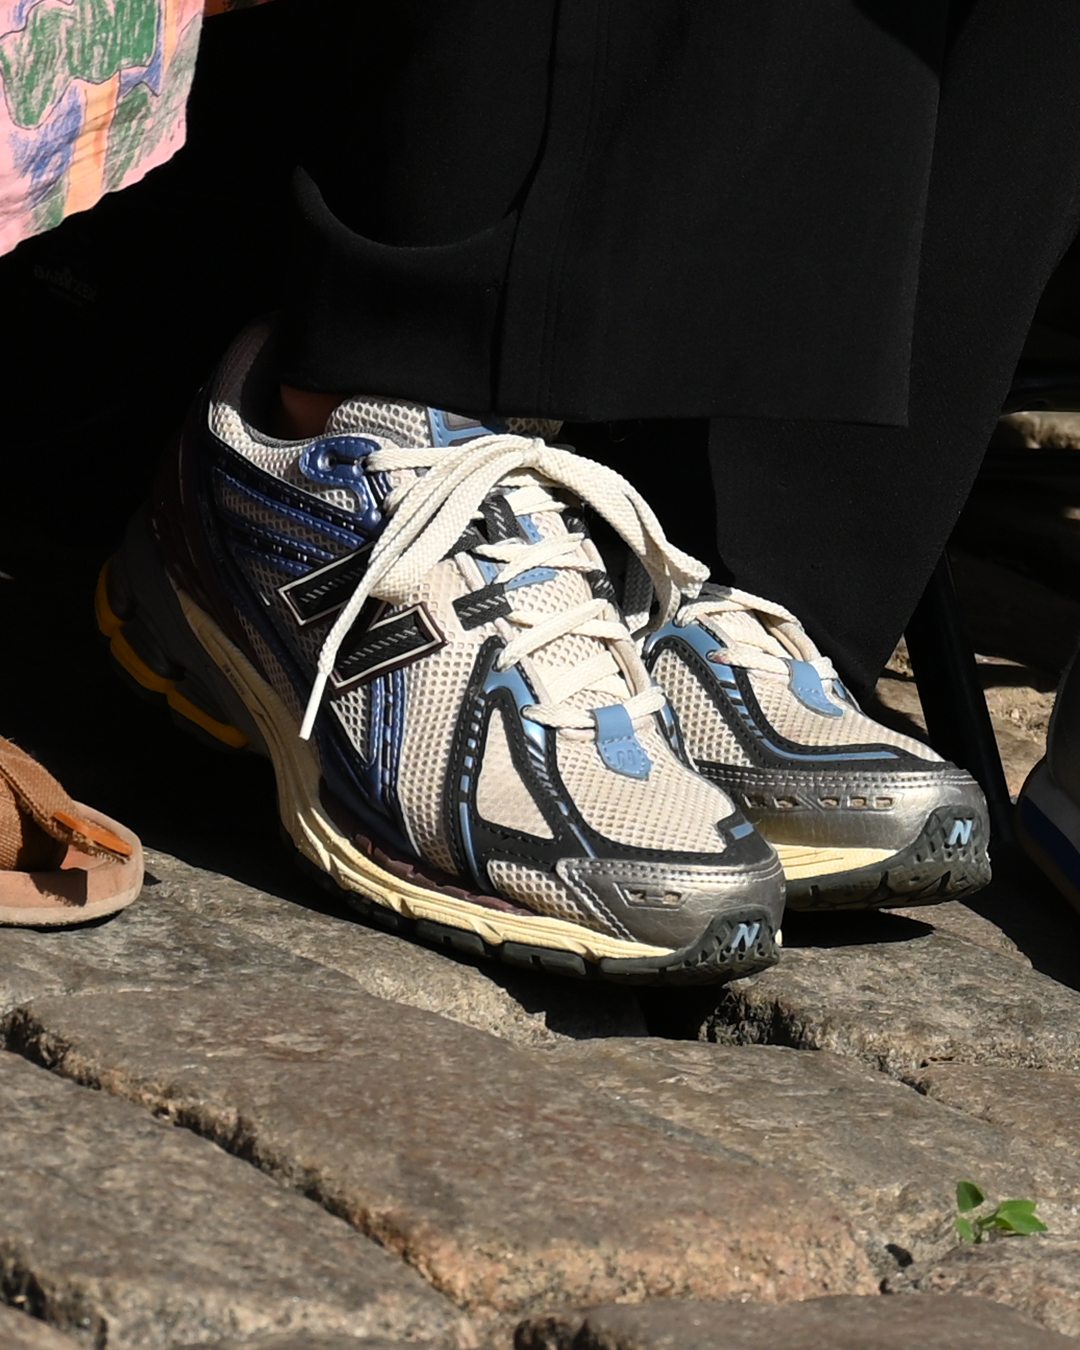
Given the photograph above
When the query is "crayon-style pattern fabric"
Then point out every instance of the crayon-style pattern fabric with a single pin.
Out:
(92, 96)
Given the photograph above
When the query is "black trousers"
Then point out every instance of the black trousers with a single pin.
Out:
(824, 225)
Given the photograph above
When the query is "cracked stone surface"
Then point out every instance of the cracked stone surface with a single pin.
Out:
(904, 999)
(499, 1177)
(1043, 1108)
(121, 1230)
(889, 1157)
(929, 1323)
(1037, 1276)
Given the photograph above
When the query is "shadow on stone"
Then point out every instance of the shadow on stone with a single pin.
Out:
(851, 930)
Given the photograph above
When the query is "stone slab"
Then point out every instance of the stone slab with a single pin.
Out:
(886, 1155)
(520, 1006)
(957, 919)
(900, 996)
(1042, 1107)
(153, 944)
(190, 924)
(20, 1332)
(930, 1323)
(505, 1181)
(1037, 1276)
(125, 1231)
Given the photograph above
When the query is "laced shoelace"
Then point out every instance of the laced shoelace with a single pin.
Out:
(427, 517)
(776, 624)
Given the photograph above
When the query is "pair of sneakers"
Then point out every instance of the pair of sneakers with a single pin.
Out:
(470, 739)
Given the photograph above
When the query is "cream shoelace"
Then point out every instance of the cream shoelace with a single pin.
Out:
(777, 626)
(427, 516)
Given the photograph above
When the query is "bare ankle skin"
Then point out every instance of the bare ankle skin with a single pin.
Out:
(303, 413)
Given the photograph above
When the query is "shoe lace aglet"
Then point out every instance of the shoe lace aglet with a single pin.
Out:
(313, 704)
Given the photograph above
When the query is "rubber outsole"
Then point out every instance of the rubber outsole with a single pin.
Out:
(210, 688)
(929, 871)
(731, 947)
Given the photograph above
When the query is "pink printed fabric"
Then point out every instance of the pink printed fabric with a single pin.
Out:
(92, 96)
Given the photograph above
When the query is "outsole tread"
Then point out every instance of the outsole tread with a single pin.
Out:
(927, 872)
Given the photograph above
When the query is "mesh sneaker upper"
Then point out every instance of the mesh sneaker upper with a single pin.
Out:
(794, 690)
(488, 773)
(764, 715)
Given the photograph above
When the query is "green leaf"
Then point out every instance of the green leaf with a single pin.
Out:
(968, 1196)
(966, 1229)
(1007, 1208)
(1021, 1223)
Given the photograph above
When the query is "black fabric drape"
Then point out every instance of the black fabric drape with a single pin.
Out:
(617, 208)
(823, 224)
(846, 523)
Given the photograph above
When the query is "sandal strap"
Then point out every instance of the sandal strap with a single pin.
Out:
(34, 793)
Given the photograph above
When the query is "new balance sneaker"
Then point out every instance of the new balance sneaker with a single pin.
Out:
(861, 816)
(406, 615)
(1048, 810)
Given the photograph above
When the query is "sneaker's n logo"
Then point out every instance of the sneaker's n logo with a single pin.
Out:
(379, 641)
(961, 832)
(745, 936)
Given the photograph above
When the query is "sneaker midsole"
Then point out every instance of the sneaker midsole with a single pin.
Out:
(313, 832)
(801, 861)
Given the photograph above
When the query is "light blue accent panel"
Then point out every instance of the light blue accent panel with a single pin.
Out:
(805, 684)
(668, 631)
(448, 429)
(537, 736)
(841, 691)
(535, 574)
(467, 844)
(531, 578)
(372, 770)
(524, 697)
(618, 744)
(741, 831)
(670, 727)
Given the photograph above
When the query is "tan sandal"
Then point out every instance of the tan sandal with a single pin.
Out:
(60, 861)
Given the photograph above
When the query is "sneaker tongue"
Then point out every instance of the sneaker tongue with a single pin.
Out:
(412, 424)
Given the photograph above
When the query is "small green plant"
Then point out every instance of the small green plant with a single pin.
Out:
(1011, 1216)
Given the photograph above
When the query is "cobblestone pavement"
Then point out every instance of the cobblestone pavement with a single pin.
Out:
(235, 1117)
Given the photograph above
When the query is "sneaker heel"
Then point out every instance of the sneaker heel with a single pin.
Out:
(143, 658)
